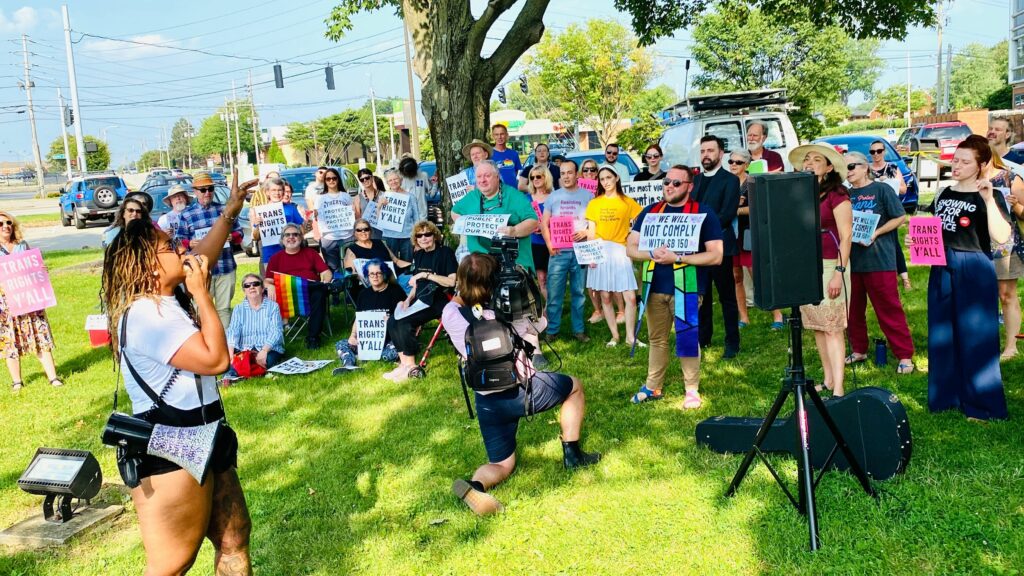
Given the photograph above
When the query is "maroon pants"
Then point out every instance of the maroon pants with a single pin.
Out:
(881, 288)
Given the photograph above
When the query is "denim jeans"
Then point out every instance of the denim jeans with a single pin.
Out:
(562, 268)
(348, 354)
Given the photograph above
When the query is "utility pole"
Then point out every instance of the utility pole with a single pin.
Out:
(234, 108)
(394, 156)
(939, 22)
(255, 131)
(188, 137)
(64, 131)
(414, 132)
(73, 84)
(27, 86)
(949, 73)
(226, 117)
(376, 138)
(909, 112)
(166, 153)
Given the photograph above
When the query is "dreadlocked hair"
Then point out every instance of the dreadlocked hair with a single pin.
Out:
(129, 266)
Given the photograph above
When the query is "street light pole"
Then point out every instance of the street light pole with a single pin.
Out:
(64, 133)
(28, 84)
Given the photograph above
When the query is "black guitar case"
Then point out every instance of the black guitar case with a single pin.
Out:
(872, 420)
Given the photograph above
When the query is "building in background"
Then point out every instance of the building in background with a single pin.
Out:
(1016, 71)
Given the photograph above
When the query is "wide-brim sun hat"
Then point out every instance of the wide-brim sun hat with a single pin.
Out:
(477, 143)
(202, 179)
(798, 154)
(176, 190)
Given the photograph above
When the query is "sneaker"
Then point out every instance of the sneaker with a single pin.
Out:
(730, 352)
(312, 343)
(344, 369)
(581, 337)
(481, 503)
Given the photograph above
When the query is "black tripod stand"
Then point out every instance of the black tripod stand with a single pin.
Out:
(798, 385)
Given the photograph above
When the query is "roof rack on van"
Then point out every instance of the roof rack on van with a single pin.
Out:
(717, 103)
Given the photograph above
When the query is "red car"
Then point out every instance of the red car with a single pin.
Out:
(949, 135)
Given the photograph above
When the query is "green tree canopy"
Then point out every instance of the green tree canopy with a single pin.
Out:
(978, 71)
(326, 138)
(274, 153)
(892, 102)
(94, 161)
(150, 159)
(178, 147)
(596, 72)
(212, 137)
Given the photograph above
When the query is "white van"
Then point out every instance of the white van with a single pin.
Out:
(726, 116)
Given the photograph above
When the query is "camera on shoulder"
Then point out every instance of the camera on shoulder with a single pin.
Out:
(515, 291)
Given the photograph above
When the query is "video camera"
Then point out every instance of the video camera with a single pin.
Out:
(516, 293)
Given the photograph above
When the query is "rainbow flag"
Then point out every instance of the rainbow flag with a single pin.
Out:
(292, 295)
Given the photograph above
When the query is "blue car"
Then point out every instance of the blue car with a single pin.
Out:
(91, 197)
(860, 143)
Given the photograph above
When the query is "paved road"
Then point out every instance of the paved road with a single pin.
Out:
(60, 238)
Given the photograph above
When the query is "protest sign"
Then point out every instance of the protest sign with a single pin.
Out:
(272, 221)
(864, 225)
(588, 184)
(391, 217)
(26, 283)
(201, 233)
(645, 193)
(562, 228)
(336, 216)
(679, 232)
(299, 366)
(927, 247)
(370, 213)
(892, 183)
(758, 167)
(96, 326)
(371, 331)
(485, 225)
(591, 252)
(458, 186)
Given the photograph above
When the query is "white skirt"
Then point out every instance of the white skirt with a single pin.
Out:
(615, 274)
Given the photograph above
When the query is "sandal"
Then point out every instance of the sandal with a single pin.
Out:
(57, 382)
(692, 400)
(743, 324)
(905, 368)
(638, 344)
(595, 318)
(856, 358)
(777, 326)
(612, 343)
(823, 389)
(620, 318)
(646, 395)
(17, 386)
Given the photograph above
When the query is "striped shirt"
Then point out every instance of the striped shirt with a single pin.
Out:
(195, 222)
(253, 329)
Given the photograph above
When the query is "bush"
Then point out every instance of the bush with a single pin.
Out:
(862, 125)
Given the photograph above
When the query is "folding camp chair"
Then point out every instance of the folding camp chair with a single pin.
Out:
(292, 298)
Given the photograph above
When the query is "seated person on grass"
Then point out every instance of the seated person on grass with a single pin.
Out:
(297, 259)
(256, 326)
(383, 294)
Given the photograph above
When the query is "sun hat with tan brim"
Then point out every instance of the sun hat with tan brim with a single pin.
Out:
(202, 179)
(835, 157)
(477, 143)
(176, 190)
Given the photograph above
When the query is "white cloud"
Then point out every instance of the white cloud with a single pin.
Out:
(22, 20)
(117, 50)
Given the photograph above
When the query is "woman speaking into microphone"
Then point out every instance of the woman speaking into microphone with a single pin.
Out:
(173, 346)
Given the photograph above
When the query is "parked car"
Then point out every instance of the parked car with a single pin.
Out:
(219, 178)
(299, 178)
(86, 198)
(248, 243)
(949, 135)
(726, 116)
(162, 180)
(859, 143)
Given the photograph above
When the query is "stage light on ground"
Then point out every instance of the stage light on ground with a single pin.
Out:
(61, 473)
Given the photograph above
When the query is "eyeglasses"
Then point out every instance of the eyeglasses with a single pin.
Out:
(652, 156)
(362, 229)
(854, 165)
(425, 235)
(132, 211)
(7, 223)
(537, 177)
(291, 235)
(378, 273)
(736, 162)
(877, 151)
(366, 178)
(611, 153)
(590, 170)
(674, 183)
(252, 284)
(330, 179)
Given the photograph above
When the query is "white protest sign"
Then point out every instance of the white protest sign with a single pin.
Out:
(458, 186)
(591, 252)
(272, 221)
(485, 225)
(893, 183)
(392, 216)
(335, 216)
(680, 232)
(96, 322)
(299, 366)
(864, 224)
(371, 331)
(201, 233)
(370, 213)
(645, 193)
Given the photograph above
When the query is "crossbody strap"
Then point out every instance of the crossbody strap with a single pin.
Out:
(158, 400)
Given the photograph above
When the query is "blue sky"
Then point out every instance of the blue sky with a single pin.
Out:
(118, 81)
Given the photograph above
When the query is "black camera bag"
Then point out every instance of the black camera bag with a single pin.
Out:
(491, 349)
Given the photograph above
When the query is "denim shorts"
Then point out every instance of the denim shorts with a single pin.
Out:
(499, 413)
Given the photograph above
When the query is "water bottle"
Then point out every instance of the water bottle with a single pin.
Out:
(881, 353)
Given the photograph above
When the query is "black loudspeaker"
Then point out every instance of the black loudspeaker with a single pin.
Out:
(785, 225)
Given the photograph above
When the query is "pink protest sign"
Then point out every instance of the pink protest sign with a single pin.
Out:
(588, 184)
(561, 228)
(25, 282)
(927, 247)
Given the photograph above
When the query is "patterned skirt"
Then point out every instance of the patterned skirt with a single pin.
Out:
(830, 314)
(25, 334)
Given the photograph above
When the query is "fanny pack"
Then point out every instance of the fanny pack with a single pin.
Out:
(177, 440)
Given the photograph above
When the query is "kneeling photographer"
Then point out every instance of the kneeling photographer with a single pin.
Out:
(505, 383)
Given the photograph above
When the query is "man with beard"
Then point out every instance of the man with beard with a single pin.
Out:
(719, 191)
(757, 133)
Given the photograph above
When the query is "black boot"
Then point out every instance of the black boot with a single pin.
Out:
(574, 457)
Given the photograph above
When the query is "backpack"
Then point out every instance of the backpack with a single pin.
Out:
(491, 350)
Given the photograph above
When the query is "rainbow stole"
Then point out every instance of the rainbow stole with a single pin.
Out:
(687, 295)
(292, 295)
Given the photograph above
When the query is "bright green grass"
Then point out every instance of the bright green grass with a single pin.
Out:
(352, 474)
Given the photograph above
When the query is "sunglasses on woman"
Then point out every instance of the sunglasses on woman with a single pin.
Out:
(590, 169)
(537, 177)
(362, 229)
(6, 223)
(877, 151)
(330, 179)
(853, 166)
(425, 235)
(366, 179)
(252, 284)
(291, 235)
(736, 162)
(652, 156)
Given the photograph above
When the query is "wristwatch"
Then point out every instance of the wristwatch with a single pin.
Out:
(841, 269)
(679, 259)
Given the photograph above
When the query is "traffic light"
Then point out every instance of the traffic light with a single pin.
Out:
(501, 94)
(522, 84)
(329, 76)
(278, 76)
(69, 116)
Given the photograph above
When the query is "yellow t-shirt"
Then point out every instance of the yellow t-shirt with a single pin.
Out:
(612, 216)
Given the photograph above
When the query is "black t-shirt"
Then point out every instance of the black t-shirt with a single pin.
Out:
(387, 299)
(440, 261)
(964, 220)
(743, 220)
(376, 250)
(645, 175)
